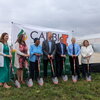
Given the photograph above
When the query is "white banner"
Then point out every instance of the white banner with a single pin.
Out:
(39, 32)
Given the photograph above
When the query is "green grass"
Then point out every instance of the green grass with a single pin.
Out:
(81, 90)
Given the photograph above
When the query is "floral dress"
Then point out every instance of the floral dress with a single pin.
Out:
(23, 61)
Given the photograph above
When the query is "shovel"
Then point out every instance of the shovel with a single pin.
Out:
(74, 77)
(40, 79)
(29, 81)
(16, 82)
(54, 79)
(88, 77)
(64, 77)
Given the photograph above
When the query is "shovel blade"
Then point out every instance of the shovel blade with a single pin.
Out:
(65, 77)
(74, 78)
(17, 84)
(30, 83)
(55, 80)
(88, 78)
(40, 81)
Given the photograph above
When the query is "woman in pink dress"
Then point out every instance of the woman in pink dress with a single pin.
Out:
(21, 55)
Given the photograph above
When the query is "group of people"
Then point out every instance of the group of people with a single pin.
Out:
(50, 52)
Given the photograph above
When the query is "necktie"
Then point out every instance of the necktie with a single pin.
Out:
(50, 46)
(73, 49)
(62, 48)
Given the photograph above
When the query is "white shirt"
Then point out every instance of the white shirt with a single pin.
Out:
(85, 52)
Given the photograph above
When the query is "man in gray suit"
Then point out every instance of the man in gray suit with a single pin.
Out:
(49, 49)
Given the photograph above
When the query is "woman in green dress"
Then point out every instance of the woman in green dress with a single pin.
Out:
(5, 57)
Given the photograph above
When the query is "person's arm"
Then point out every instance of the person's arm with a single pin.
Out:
(18, 51)
(43, 48)
(65, 50)
(91, 50)
(54, 51)
(1, 50)
(10, 52)
(83, 53)
(79, 50)
(68, 49)
(40, 51)
(32, 51)
(10, 55)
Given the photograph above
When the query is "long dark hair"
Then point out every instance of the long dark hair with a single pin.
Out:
(19, 39)
(2, 37)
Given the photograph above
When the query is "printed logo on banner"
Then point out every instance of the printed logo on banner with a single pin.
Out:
(55, 36)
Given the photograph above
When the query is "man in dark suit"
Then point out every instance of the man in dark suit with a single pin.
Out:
(49, 49)
(61, 52)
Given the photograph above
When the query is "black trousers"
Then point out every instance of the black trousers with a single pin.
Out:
(33, 68)
(59, 66)
(45, 65)
(85, 70)
(76, 66)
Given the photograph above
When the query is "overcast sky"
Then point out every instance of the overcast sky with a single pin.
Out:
(82, 16)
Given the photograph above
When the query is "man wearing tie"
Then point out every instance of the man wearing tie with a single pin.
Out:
(61, 52)
(74, 51)
(49, 49)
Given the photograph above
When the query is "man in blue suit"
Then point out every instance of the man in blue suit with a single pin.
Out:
(61, 51)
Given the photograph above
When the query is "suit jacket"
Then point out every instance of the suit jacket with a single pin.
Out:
(59, 51)
(45, 49)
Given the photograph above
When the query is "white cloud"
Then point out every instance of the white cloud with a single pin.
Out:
(82, 16)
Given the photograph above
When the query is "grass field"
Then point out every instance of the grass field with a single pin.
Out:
(81, 90)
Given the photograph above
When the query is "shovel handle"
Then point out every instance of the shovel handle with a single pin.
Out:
(39, 65)
(74, 65)
(63, 65)
(52, 67)
(88, 64)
